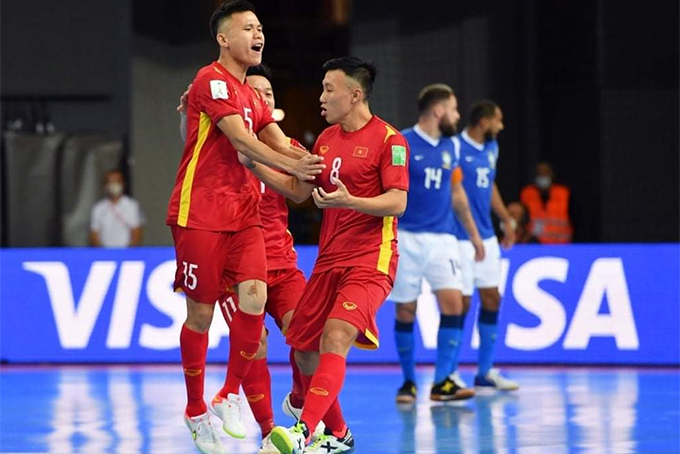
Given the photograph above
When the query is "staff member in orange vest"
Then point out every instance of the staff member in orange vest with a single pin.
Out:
(548, 204)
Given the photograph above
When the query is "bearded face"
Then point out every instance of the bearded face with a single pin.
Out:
(447, 127)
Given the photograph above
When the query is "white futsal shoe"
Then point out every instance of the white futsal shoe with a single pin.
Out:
(229, 411)
(493, 380)
(296, 413)
(267, 446)
(290, 440)
(455, 377)
(204, 434)
(328, 443)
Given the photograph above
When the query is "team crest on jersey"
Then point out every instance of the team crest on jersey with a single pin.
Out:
(446, 160)
(492, 160)
(323, 149)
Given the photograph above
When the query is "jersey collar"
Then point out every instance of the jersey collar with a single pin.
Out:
(423, 135)
(471, 141)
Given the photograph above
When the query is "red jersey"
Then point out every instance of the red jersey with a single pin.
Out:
(212, 190)
(369, 162)
(278, 240)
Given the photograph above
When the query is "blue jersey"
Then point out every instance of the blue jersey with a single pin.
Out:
(479, 172)
(429, 198)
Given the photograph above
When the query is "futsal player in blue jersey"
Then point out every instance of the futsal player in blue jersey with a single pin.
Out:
(478, 157)
(427, 245)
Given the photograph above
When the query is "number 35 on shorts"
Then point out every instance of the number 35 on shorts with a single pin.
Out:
(190, 279)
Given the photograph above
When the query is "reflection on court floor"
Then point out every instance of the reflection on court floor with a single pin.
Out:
(138, 409)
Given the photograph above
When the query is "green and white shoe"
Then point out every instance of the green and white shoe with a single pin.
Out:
(330, 444)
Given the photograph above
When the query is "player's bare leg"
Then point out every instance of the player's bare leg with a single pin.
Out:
(448, 346)
(488, 378)
(193, 348)
(246, 329)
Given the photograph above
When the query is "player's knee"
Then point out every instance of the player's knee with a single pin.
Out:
(199, 317)
(336, 340)
(406, 313)
(307, 362)
(466, 304)
(491, 301)
(252, 297)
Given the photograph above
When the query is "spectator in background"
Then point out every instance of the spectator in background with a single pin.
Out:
(520, 214)
(548, 205)
(116, 220)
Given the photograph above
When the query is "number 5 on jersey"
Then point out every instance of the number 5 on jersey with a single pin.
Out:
(190, 279)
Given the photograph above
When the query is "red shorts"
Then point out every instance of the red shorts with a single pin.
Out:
(350, 294)
(284, 289)
(209, 262)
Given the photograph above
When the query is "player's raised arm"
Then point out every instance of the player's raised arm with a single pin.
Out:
(305, 168)
(274, 137)
(461, 206)
(286, 185)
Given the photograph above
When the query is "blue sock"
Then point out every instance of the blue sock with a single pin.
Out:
(448, 344)
(454, 365)
(488, 331)
(403, 334)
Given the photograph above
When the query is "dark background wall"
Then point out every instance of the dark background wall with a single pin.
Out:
(590, 85)
(74, 56)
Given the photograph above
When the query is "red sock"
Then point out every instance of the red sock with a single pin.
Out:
(334, 419)
(324, 389)
(244, 339)
(193, 347)
(257, 386)
(297, 393)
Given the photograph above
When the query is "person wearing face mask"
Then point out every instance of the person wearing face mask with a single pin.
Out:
(117, 220)
(548, 205)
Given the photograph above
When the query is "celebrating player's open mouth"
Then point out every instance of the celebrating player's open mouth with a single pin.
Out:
(257, 47)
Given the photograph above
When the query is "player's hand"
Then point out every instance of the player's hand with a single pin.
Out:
(307, 167)
(509, 236)
(480, 253)
(184, 101)
(340, 198)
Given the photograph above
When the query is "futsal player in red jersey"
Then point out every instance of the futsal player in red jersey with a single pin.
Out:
(362, 191)
(214, 215)
(284, 286)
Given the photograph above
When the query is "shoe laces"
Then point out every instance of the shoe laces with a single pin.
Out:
(235, 408)
(318, 442)
(299, 428)
(204, 432)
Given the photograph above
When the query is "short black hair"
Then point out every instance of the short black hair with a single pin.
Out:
(432, 94)
(225, 10)
(358, 69)
(482, 109)
(260, 70)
